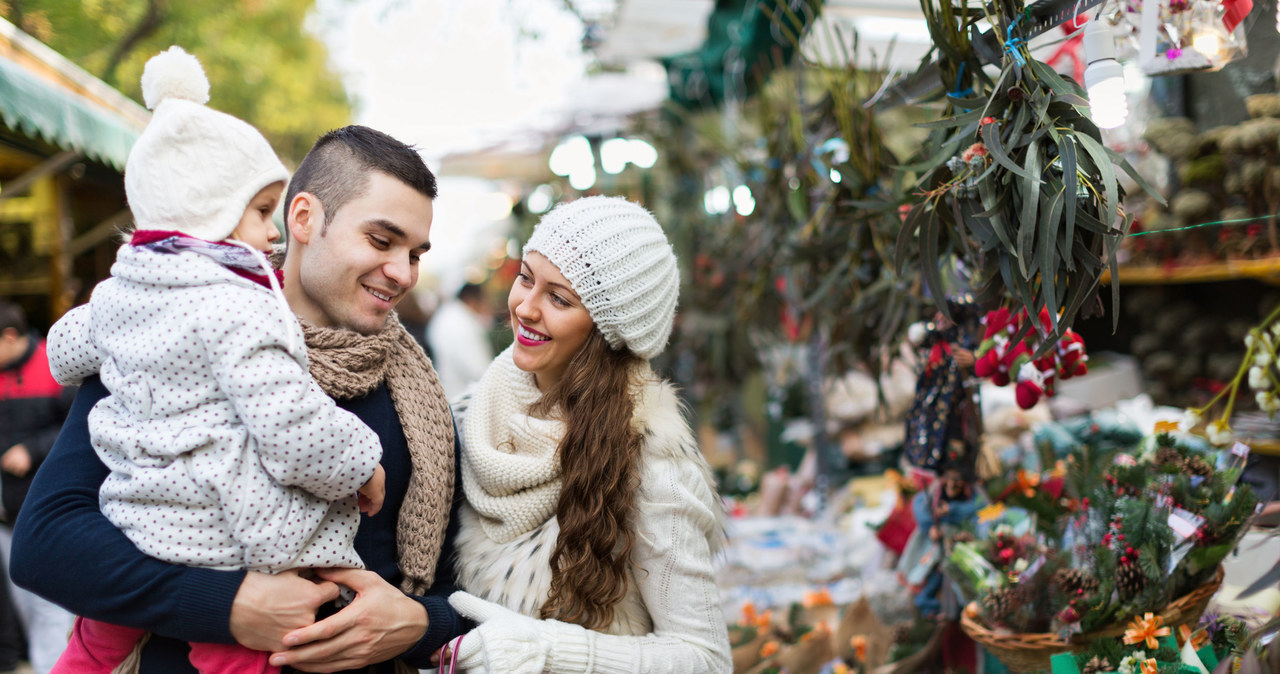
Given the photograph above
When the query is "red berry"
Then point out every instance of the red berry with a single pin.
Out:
(1129, 550)
(1124, 560)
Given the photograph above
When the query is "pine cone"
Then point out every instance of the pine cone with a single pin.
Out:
(1129, 580)
(1198, 466)
(1168, 456)
(1073, 580)
(1096, 665)
(999, 604)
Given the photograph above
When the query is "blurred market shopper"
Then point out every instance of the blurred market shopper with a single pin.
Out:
(32, 408)
(459, 337)
(224, 453)
(359, 214)
(591, 515)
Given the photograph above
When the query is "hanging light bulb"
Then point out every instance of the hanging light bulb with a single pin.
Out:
(1104, 78)
(1208, 41)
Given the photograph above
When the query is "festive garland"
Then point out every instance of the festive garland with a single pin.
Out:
(1003, 358)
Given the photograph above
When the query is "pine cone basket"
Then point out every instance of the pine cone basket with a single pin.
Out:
(1129, 580)
(1168, 456)
(1000, 603)
(1031, 652)
(1095, 666)
(1073, 580)
(1198, 466)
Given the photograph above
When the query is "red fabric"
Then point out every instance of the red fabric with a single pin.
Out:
(97, 648)
(142, 237)
(1236, 11)
(897, 529)
(32, 380)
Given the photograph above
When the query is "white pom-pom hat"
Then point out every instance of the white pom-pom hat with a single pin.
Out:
(193, 169)
(617, 258)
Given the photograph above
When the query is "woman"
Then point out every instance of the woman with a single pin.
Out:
(591, 516)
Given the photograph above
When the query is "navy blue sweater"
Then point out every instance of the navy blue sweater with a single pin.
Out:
(64, 549)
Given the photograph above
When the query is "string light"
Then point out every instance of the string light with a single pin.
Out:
(1104, 78)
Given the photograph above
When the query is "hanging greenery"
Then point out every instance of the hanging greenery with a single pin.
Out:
(1016, 182)
(812, 260)
(827, 210)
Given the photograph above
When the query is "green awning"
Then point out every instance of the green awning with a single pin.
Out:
(746, 40)
(39, 109)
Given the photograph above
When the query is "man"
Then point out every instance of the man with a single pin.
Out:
(32, 408)
(459, 339)
(359, 214)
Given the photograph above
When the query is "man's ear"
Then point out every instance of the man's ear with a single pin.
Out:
(304, 217)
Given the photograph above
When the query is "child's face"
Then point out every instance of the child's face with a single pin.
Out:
(256, 227)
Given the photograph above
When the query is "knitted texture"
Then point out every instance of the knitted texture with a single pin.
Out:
(617, 259)
(510, 471)
(669, 619)
(193, 169)
(349, 365)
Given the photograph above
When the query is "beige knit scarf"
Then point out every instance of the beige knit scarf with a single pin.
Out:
(510, 468)
(348, 365)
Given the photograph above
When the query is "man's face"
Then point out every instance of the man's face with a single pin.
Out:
(12, 345)
(354, 272)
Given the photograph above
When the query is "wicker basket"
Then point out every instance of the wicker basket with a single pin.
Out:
(1025, 653)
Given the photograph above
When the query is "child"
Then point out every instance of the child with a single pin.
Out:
(224, 453)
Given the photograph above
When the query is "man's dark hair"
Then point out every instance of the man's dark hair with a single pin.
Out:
(12, 317)
(471, 292)
(336, 170)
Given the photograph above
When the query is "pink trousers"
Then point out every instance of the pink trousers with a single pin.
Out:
(97, 648)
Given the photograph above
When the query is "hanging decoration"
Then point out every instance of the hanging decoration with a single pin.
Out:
(1179, 36)
(1015, 182)
(1004, 359)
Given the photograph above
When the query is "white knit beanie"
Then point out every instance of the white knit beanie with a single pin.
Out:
(193, 169)
(617, 259)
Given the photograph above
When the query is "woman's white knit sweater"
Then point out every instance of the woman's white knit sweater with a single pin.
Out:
(670, 620)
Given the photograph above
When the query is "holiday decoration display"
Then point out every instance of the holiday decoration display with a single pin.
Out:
(1136, 538)
(1015, 180)
(1004, 358)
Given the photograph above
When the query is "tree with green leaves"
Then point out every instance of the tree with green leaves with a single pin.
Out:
(263, 65)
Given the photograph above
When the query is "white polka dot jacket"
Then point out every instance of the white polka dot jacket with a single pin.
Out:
(670, 619)
(224, 453)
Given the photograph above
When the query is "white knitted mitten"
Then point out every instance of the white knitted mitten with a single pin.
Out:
(506, 641)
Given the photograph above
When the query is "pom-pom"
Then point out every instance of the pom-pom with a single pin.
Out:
(174, 74)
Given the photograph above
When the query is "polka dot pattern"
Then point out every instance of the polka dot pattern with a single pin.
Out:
(224, 453)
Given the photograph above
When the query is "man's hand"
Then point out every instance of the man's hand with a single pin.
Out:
(380, 624)
(16, 460)
(267, 607)
(373, 492)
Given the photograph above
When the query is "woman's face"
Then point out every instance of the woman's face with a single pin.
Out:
(549, 320)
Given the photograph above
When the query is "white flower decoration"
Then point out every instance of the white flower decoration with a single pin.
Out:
(1258, 379)
(1219, 432)
(1190, 419)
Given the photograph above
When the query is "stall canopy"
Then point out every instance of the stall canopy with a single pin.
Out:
(45, 96)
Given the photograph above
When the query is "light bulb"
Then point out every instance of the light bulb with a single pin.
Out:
(1209, 43)
(1107, 102)
(1104, 78)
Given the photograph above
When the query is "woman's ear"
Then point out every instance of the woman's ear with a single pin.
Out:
(303, 215)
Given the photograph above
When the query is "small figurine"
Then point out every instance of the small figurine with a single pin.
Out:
(942, 512)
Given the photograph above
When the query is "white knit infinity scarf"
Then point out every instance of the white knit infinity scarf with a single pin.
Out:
(510, 467)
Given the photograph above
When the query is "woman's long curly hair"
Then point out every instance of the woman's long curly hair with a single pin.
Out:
(599, 466)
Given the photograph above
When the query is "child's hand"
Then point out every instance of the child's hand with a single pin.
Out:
(371, 494)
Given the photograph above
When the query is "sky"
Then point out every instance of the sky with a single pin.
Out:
(451, 76)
